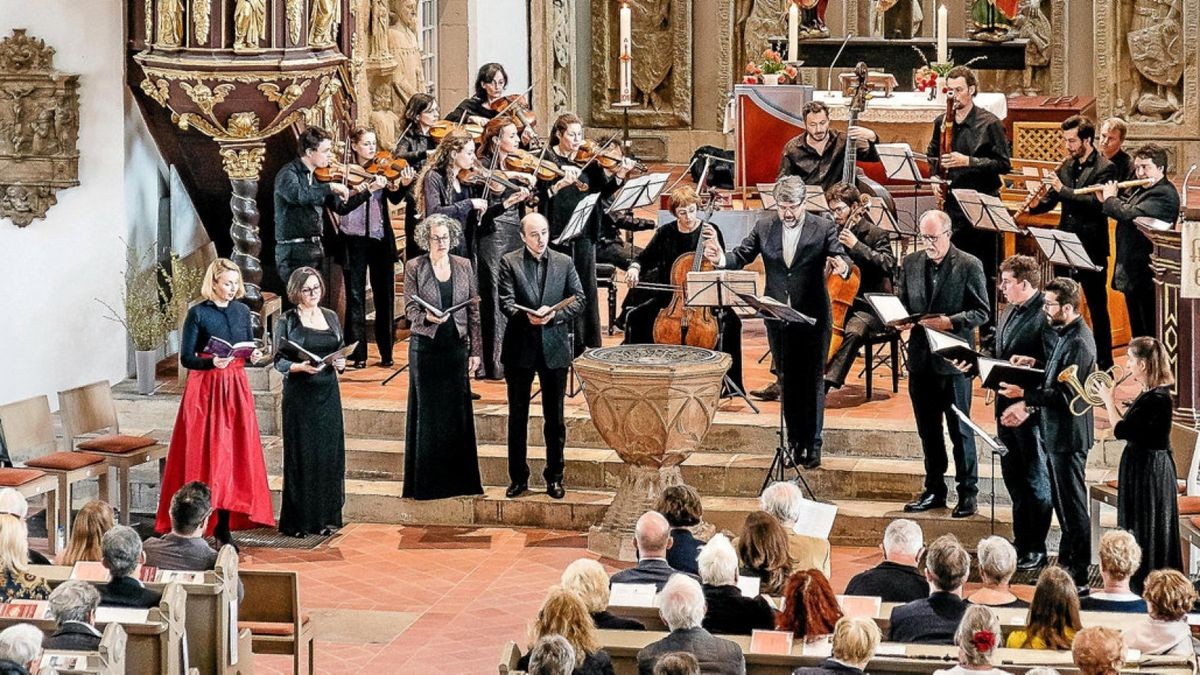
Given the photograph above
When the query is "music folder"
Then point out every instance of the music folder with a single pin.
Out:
(439, 313)
(771, 308)
(992, 372)
(638, 192)
(952, 347)
(891, 310)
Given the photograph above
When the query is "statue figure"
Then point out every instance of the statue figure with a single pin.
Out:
(653, 45)
(378, 48)
(405, 47)
(44, 141)
(65, 124)
(754, 23)
(323, 22)
(812, 19)
(1156, 49)
(249, 23)
(383, 119)
(895, 19)
(16, 200)
(170, 23)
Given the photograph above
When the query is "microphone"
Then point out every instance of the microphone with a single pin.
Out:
(1186, 178)
(838, 55)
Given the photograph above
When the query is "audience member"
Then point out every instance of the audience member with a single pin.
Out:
(184, 548)
(563, 613)
(551, 655)
(20, 649)
(653, 537)
(680, 505)
(855, 639)
(679, 663)
(19, 584)
(935, 619)
(1098, 651)
(1169, 597)
(90, 524)
(784, 501)
(1120, 557)
(810, 608)
(587, 579)
(681, 607)
(15, 504)
(997, 564)
(1041, 670)
(763, 551)
(977, 637)
(1053, 615)
(73, 606)
(897, 578)
(122, 548)
(729, 612)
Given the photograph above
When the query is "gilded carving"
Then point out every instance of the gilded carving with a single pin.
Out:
(404, 45)
(295, 20)
(243, 125)
(158, 90)
(323, 23)
(204, 97)
(39, 129)
(170, 23)
(243, 163)
(148, 15)
(249, 24)
(288, 96)
(662, 63)
(201, 10)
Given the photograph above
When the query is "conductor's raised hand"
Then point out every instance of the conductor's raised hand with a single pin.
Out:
(838, 266)
(712, 251)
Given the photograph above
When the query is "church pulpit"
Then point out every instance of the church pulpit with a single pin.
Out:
(1178, 321)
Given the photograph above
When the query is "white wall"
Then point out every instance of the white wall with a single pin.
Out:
(499, 31)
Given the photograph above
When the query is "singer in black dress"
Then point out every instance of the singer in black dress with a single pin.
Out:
(440, 456)
(314, 445)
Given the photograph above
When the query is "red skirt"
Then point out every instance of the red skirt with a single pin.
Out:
(216, 441)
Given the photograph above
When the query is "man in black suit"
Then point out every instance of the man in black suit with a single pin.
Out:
(1067, 437)
(947, 286)
(897, 578)
(121, 550)
(538, 278)
(795, 247)
(933, 620)
(682, 608)
(1112, 136)
(1132, 274)
(73, 604)
(652, 534)
(1082, 214)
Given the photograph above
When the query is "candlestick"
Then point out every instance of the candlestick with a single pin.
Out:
(626, 54)
(943, 21)
(793, 31)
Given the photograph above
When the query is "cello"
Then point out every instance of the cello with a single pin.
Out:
(842, 291)
(678, 324)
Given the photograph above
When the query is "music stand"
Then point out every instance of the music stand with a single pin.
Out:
(766, 192)
(883, 218)
(720, 290)
(1063, 248)
(814, 199)
(986, 212)
(638, 192)
(997, 447)
(900, 164)
(579, 219)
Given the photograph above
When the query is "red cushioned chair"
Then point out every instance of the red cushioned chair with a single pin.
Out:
(28, 429)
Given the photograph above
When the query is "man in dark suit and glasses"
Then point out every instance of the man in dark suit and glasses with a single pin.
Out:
(1067, 437)
(537, 278)
(946, 284)
(795, 247)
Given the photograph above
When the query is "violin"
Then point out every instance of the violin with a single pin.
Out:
(494, 180)
(351, 174)
(443, 128)
(677, 323)
(542, 169)
(387, 165)
(516, 107)
(609, 156)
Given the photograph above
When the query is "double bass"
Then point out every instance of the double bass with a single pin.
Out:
(842, 291)
(678, 324)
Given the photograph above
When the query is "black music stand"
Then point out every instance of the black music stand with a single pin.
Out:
(900, 164)
(989, 214)
(1063, 249)
(997, 447)
(578, 221)
(719, 292)
(639, 192)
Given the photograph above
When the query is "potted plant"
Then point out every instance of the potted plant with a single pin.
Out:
(182, 287)
(147, 314)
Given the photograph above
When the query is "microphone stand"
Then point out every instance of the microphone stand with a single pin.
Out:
(838, 55)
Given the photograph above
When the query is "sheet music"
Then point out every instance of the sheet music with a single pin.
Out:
(889, 307)
(639, 192)
(721, 288)
(815, 519)
(898, 161)
(749, 586)
(766, 192)
(632, 595)
(1062, 248)
(985, 211)
(579, 218)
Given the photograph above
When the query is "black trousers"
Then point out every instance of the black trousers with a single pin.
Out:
(1095, 289)
(366, 256)
(858, 325)
(291, 257)
(1069, 494)
(1139, 300)
(1027, 479)
(587, 323)
(798, 353)
(554, 388)
(982, 245)
(932, 395)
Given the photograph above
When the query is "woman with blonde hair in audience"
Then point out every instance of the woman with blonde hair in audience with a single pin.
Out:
(92, 521)
(1169, 597)
(977, 637)
(855, 639)
(19, 584)
(1098, 651)
(564, 613)
(810, 609)
(587, 579)
(1120, 557)
(1053, 614)
(997, 564)
(763, 552)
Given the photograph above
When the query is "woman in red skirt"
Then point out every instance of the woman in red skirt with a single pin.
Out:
(216, 437)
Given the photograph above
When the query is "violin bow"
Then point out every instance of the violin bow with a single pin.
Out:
(513, 102)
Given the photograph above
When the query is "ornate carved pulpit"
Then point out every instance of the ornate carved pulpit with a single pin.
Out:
(1178, 321)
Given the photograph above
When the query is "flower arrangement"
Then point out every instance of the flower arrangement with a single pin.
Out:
(772, 65)
(927, 76)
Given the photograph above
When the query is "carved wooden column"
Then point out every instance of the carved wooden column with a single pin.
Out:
(243, 165)
(1178, 322)
(553, 53)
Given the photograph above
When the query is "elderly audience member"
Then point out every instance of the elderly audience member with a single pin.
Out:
(587, 579)
(935, 619)
(653, 537)
(1169, 597)
(1120, 557)
(763, 551)
(810, 609)
(1053, 615)
(681, 606)
(1098, 651)
(19, 583)
(73, 605)
(563, 613)
(997, 564)
(20, 649)
(680, 505)
(784, 501)
(729, 612)
(15, 504)
(122, 554)
(551, 655)
(679, 663)
(184, 548)
(897, 578)
(977, 638)
(855, 639)
(90, 524)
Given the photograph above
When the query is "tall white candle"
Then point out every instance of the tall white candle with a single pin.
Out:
(943, 21)
(626, 53)
(793, 31)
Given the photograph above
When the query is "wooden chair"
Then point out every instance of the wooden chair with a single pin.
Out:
(510, 656)
(270, 609)
(891, 338)
(89, 410)
(28, 428)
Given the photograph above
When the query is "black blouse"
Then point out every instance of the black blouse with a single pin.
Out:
(472, 106)
(1147, 423)
(230, 323)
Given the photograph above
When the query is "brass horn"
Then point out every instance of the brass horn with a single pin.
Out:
(1087, 393)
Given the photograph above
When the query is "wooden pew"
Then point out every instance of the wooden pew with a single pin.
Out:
(109, 659)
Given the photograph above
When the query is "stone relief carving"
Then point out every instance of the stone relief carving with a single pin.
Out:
(148, 15)
(562, 42)
(323, 22)
(383, 118)
(1156, 47)
(662, 63)
(39, 129)
(404, 45)
(755, 21)
(170, 23)
(378, 45)
(249, 24)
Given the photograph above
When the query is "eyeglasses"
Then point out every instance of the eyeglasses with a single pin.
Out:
(1051, 303)
(790, 208)
(444, 239)
(310, 290)
(931, 238)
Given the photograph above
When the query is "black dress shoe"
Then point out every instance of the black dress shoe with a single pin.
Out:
(813, 461)
(555, 490)
(386, 363)
(359, 365)
(767, 393)
(926, 502)
(516, 490)
(965, 508)
(1031, 561)
(475, 396)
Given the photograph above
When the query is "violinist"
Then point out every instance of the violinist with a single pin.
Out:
(300, 198)
(653, 268)
(499, 233)
(441, 190)
(415, 146)
(370, 246)
(488, 100)
(870, 249)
